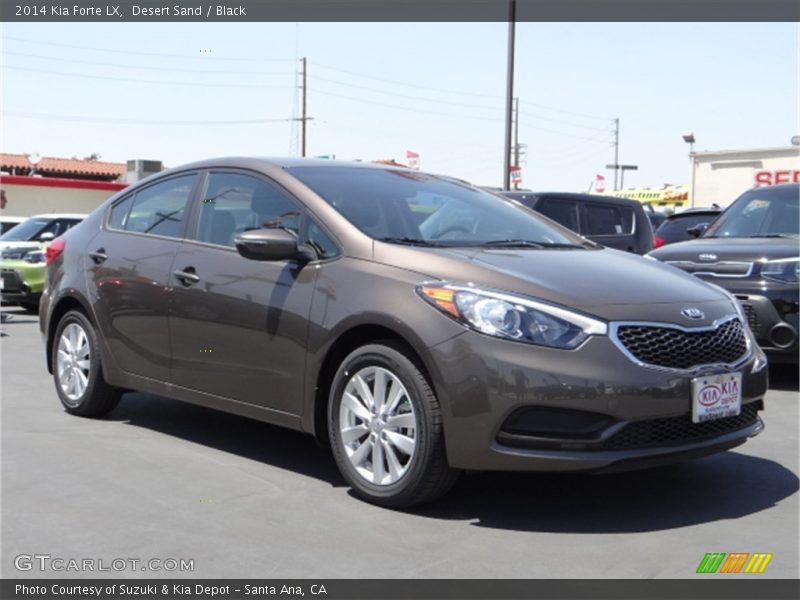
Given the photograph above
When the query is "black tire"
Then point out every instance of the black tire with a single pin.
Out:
(428, 476)
(30, 307)
(98, 398)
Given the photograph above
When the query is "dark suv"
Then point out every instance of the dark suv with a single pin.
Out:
(752, 250)
(685, 225)
(614, 222)
(417, 324)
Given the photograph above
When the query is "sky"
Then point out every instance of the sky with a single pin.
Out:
(179, 92)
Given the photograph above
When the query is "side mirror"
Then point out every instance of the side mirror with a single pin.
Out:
(273, 245)
(698, 229)
(47, 236)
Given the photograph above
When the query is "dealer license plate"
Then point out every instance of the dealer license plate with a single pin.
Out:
(716, 397)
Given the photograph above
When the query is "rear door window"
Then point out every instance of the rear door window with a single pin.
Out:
(159, 209)
(607, 219)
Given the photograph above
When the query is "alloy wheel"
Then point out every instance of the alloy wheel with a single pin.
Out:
(378, 425)
(73, 362)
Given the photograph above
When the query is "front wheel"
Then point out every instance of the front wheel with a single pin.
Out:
(385, 427)
(77, 369)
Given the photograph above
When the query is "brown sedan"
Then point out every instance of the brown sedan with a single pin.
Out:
(417, 324)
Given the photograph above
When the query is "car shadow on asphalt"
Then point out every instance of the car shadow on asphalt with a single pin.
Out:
(248, 438)
(725, 486)
(785, 378)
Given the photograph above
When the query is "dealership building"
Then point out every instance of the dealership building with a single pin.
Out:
(719, 177)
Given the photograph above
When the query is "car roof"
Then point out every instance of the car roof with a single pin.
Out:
(58, 216)
(282, 163)
(576, 196)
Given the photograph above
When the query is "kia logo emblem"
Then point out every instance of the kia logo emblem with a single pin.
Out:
(693, 313)
(707, 257)
(709, 395)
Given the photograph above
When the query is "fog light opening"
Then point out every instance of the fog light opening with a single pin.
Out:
(782, 335)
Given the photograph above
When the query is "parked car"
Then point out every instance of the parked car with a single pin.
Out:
(656, 218)
(23, 274)
(8, 223)
(417, 324)
(685, 225)
(39, 228)
(614, 222)
(753, 250)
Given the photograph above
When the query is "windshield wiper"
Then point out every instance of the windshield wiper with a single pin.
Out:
(526, 244)
(410, 241)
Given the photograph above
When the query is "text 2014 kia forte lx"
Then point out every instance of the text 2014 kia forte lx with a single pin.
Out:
(418, 325)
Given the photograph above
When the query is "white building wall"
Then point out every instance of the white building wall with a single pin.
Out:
(720, 177)
(28, 200)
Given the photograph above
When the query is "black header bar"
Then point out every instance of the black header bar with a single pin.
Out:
(146, 11)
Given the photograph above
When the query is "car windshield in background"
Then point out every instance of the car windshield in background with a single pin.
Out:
(25, 231)
(414, 208)
(762, 212)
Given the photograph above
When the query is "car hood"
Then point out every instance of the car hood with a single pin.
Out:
(22, 244)
(607, 283)
(739, 249)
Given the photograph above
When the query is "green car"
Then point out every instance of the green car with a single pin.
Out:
(23, 275)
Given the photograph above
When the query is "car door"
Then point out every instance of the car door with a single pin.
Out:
(239, 327)
(127, 269)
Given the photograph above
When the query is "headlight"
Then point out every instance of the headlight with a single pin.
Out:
(785, 270)
(512, 317)
(34, 257)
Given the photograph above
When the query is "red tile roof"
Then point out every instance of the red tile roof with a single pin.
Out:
(63, 166)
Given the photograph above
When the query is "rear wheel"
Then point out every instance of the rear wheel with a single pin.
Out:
(385, 427)
(77, 369)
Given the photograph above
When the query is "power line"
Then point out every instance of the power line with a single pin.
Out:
(124, 121)
(406, 84)
(562, 121)
(152, 81)
(149, 68)
(416, 110)
(139, 53)
(566, 112)
(396, 95)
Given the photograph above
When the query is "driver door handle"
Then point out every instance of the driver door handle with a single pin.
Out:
(98, 256)
(187, 277)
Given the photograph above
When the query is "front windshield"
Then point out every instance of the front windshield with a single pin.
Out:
(25, 231)
(763, 212)
(409, 207)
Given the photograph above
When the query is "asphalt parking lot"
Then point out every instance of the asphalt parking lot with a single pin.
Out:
(158, 479)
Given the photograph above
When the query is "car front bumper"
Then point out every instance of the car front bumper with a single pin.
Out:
(22, 282)
(512, 406)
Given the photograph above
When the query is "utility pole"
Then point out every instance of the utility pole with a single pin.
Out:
(616, 152)
(512, 17)
(516, 136)
(304, 118)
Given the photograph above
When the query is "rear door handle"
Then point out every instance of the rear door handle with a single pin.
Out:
(99, 255)
(187, 277)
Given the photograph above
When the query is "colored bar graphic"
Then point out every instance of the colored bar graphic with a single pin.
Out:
(711, 562)
(735, 562)
(758, 563)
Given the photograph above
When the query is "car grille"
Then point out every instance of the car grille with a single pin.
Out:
(679, 430)
(678, 349)
(717, 269)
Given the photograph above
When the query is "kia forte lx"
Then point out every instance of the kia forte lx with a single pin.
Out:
(418, 325)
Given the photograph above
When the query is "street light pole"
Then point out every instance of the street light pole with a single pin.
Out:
(689, 139)
(512, 15)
